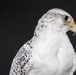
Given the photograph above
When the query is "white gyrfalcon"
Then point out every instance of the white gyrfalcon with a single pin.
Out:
(50, 51)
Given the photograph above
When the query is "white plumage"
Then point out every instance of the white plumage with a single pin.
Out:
(50, 51)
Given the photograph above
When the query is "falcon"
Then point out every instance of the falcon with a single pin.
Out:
(50, 51)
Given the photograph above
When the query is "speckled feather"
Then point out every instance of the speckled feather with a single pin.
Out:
(21, 62)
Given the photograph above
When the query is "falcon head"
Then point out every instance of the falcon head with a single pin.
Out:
(58, 20)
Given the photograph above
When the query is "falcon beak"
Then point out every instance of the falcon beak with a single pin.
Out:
(72, 27)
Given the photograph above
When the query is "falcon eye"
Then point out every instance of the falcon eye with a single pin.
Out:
(66, 18)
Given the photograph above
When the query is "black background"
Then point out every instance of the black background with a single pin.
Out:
(17, 22)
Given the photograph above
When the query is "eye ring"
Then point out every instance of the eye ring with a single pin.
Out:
(66, 18)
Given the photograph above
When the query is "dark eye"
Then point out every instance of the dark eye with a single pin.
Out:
(66, 18)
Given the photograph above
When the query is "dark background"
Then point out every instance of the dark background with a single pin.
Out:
(17, 22)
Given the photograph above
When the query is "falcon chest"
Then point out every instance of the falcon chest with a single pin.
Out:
(65, 55)
(52, 50)
(47, 47)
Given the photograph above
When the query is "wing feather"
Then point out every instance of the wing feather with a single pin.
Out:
(22, 62)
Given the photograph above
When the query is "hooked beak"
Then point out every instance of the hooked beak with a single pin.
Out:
(72, 27)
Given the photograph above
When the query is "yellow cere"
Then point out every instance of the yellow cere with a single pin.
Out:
(71, 24)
